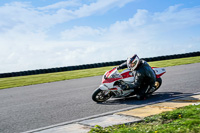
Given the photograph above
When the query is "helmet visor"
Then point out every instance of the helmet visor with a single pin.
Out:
(133, 65)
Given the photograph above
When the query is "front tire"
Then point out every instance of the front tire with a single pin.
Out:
(99, 96)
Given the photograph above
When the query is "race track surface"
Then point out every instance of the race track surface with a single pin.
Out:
(31, 107)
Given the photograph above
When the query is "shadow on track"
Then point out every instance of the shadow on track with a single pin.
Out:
(158, 96)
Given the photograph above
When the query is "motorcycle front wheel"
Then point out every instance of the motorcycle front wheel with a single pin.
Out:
(100, 96)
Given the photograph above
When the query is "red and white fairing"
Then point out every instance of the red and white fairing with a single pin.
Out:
(159, 71)
(110, 77)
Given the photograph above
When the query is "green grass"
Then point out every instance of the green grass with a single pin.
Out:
(52, 77)
(182, 120)
(175, 62)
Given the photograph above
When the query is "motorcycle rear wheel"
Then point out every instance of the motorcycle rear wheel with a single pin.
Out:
(148, 94)
(157, 84)
(99, 96)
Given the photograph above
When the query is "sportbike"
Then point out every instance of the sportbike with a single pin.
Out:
(112, 80)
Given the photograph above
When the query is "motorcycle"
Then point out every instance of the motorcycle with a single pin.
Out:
(112, 80)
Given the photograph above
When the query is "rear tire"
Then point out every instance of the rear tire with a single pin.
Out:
(158, 83)
(99, 96)
(156, 86)
(148, 94)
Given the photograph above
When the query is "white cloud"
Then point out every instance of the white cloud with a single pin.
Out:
(24, 44)
(100, 6)
(62, 4)
(17, 13)
(187, 16)
(148, 34)
(82, 33)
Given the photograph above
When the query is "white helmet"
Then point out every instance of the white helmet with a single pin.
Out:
(133, 62)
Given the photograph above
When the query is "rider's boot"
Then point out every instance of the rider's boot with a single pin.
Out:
(151, 90)
(141, 97)
(142, 93)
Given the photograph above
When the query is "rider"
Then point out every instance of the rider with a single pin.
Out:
(144, 76)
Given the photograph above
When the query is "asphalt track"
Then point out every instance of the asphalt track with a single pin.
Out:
(31, 107)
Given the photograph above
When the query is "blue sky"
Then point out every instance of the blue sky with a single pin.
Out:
(37, 34)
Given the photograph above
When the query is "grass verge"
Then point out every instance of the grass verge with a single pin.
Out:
(182, 120)
(52, 77)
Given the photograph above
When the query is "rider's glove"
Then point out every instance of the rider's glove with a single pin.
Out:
(118, 68)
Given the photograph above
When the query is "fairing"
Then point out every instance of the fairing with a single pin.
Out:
(113, 75)
(159, 71)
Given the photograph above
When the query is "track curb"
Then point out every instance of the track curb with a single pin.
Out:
(124, 116)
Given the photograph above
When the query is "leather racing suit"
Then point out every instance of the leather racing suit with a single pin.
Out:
(144, 78)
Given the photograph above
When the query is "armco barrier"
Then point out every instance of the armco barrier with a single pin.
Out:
(95, 65)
